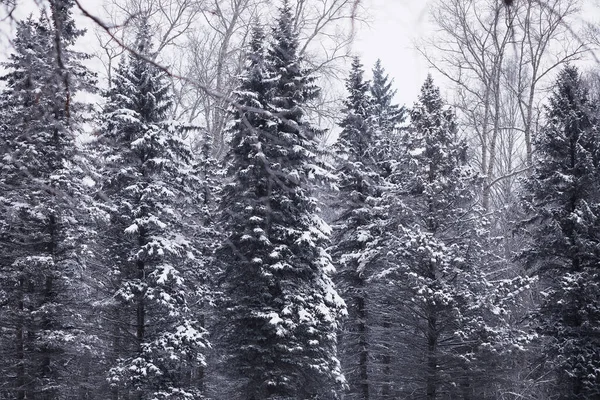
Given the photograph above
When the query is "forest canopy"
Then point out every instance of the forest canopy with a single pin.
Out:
(225, 202)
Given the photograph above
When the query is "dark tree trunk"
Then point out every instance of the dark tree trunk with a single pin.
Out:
(48, 324)
(363, 343)
(140, 316)
(47, 352)
(20, 347)
(117, 346)
(432, 356)
(386, 389)
(140, 310)
(467, 388)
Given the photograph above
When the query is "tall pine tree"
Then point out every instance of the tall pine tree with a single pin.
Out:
(359, 230)
(562, 197)
(43, 212)
(439, 255)
(387, 115)
(282, 306)
(155, 272)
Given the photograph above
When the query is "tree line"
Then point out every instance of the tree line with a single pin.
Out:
(134, 265)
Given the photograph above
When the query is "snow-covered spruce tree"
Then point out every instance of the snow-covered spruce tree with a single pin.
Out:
(386, 114)
(244, 209)
(439, 256)
(386, 119)
(43, 213)
(358, 235)
(282, 307)
(202, 217)
(155, 271)
(562, 197)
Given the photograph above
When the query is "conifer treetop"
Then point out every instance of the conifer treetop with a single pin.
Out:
(387, 115)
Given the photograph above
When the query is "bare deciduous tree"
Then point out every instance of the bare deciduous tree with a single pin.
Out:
(490, 51)
(204, 41)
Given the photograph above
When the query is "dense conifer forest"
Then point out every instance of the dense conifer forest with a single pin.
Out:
(238, 208)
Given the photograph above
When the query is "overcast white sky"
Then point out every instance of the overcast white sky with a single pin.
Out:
(394, 24)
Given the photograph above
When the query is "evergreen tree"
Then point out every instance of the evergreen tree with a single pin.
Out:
(563, 199)
(155, 270)
(359, 236)
(43, 212)
(439, 255)
(244, 209)
(202, 222)
(387, 115)
(282, 307)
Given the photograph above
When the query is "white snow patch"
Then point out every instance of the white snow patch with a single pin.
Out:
(87, 181)
(132, 229)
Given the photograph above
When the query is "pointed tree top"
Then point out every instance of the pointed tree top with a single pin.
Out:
(356, 74)
(569, 86)
(284, 35)
(143, 37)
(382, 85)
(430, 95)
(388, 114)
(63, 20)
(357, 88)
(257, 42)
(285, 22)
(258, 33)
(379, 71)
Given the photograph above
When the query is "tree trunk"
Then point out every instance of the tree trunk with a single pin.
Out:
(432, 361)
(20, 346)
(466, 387)
(46, 352)
(140, 316)
(48, 323)
(386, 388)
(117, 345)
(363, 343)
